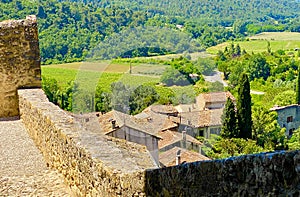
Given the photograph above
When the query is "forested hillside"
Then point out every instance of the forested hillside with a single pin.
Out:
(225, 11)
(69, 30)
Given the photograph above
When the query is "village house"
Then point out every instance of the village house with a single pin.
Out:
(201, 123)
(288, 117)
(119, 125)
(162, 128)
(213, 100)
(177, 156)
(204, 117)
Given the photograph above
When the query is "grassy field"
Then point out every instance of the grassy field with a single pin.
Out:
(258, 43)
(88, 75)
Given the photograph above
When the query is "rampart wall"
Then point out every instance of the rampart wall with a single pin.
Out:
(19, 62)
(92, 164)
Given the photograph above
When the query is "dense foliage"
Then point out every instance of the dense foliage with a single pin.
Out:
(229, 121)
(70, 30)
(243, 106)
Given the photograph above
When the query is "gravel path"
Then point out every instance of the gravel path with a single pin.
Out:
(23, 171)
(214, 77)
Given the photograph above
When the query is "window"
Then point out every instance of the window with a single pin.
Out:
(201, 132)
(289, 119)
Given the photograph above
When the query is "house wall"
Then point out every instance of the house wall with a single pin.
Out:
(283, 114)
(212, 130)
(215, 105)
(181, 144)
(136, 136)
(207, 131)
(19, 62)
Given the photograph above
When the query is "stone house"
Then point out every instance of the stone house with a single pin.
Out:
(288, 117)
(203, 118)
(201, 123)
(124, 126)
(142, 128)
(213, 100)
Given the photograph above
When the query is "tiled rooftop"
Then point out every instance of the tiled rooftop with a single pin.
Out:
(168, 158)
(170, 137)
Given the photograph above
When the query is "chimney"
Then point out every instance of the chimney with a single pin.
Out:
(184, 135)
(178, 157)
(184, 139)
(113, 124)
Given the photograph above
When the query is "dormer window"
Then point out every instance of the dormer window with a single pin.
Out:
(289, 119)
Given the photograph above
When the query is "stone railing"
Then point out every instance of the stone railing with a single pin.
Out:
(91, 163)
(266, 174)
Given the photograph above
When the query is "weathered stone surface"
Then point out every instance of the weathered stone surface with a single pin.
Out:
(92, 163)
(19, 62)
(23, 171)
(266, 174)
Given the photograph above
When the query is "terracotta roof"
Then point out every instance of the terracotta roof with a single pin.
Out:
(170, 137)
(204, 118)
(215, 97)
(168, 158)
(122, 120)
(187, 108)
(147, 122)
(163, 109)
(154, 121)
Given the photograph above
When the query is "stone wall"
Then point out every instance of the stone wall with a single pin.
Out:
(97, 165)
(19, 62)
(92, 164)
(268, 174)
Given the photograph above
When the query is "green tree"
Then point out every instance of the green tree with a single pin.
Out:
(298, 88)
(258, 67)
(266, 130)
(142, 97)
(294, 141)
(284, 98)
(244, 108)
(50, 88)
(229, 122)
(172, 76)
(102, 100)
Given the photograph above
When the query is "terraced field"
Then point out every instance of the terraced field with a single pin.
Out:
(288, 41)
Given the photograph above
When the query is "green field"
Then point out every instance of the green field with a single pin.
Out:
(288, 41)
(88, 75)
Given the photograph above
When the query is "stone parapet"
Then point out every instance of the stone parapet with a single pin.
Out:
(92, 164)
(19, 62)
(266, 174)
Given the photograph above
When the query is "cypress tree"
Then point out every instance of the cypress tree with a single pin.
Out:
(229, 124)
(244, 108)
(298, 88)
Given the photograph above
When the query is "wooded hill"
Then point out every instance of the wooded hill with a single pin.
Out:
(69, 30)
